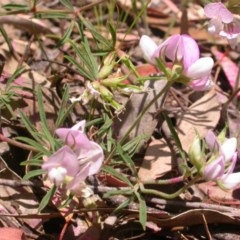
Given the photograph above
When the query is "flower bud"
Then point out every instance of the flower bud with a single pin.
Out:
(108, 65)
(195, 153)
(113, 82)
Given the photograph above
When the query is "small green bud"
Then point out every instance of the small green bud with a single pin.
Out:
(105, 93)
(108, 65)
(195, 153)
(113, 82)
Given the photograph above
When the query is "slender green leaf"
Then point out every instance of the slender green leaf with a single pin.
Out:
(67, 4)
(36, 163)
(116, 174)
(54, 14)
(12, 6)
(106, 126)
(133, 145)
(92, 63)
(66, 36)
(7, 40)
(124, 204)
(16, 74)
(80, 69)
(142, 210)
(33, 143)
(118, 192)
(112, 31)
(96, 34)
(126, 158)
(44, 124)
(33, 173)
(85, 55)
(29, 126)
(47, 198)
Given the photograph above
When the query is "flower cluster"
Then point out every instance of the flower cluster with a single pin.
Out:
(220, 165)
(222, 22)
(76, 160)
(184, 54)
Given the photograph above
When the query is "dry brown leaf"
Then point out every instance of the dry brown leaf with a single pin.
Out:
(219, 196)
(157, 161)
(15, 200)
(201, 116)
(195, 217)
(9, 233)
(135, 105)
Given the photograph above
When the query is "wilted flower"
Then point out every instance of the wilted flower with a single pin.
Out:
(222, 22)
(75, 161)
(183, 52)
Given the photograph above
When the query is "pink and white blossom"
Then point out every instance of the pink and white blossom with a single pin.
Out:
(183, 50)
(222, 22)
(76, 160)
(218, 11)
(222, 163)
(60, 165)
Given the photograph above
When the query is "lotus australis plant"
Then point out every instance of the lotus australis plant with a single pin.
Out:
(79, 158)
(183, 53)
(222, 22)
(219, 163)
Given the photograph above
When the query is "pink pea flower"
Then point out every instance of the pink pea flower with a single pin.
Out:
(227, 149)
(231, 32)
(230, 180)
(218, 11)
(87, 151)
(184, 51)
(221, 168)
(63, 163)
(215, 169)
(75, 161)
(222, 22)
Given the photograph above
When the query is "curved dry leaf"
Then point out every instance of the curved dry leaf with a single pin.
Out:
(26, 22)
(195, 217)
(201, 116)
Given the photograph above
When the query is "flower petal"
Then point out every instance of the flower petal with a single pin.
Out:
(203, 84)
(231, 181)
(215, 169)
(200, 69)
(218, 10)
(215, 26)
(148, 47)
(65, 158)
(228, 148)
(190, 51)
(96, 158)
(80, 126)
(75, 139)
(179, 48)
(212, 142)
(168, 48)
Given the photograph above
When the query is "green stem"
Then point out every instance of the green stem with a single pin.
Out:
(137, 120)
(167, 195)
(165, 181)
